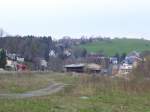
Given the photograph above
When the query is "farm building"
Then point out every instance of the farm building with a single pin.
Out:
(75, 68)
(93, 68)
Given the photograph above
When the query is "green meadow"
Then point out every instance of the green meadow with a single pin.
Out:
(120, 46)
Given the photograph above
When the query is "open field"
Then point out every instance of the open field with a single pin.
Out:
(117, 46)
(84, 93)
(22, 82)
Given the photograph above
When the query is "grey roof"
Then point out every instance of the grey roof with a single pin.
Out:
(134, 53)
(74, 65)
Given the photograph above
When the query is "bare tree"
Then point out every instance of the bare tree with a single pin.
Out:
(1, 32)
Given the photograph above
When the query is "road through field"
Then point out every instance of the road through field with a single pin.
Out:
(53, 88)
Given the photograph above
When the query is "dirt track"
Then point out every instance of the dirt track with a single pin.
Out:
(53, 88)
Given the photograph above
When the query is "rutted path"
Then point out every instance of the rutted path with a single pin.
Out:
(53, 88)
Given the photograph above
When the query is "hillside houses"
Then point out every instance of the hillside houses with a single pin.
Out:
(15, 62)
(98, 63)
(92, 62)
(131, 61)
(71, 59)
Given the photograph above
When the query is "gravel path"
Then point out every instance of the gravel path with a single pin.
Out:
(53, 88)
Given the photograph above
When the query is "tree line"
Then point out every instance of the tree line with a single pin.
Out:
(28, 47)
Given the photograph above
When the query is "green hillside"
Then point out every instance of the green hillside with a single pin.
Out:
(117, 46)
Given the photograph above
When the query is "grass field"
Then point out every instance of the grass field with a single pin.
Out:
(85, 94)
(27, 81)
(117, 46)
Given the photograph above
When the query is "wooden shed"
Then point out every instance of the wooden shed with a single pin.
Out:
(79, 68)
(93, 68)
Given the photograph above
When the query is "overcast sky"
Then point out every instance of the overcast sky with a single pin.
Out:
(115, 18)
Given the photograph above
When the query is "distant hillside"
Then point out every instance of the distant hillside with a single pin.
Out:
(113, 46)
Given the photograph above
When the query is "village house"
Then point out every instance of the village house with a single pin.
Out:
(21, 67)
(11, 56)
(67, 53)
(52, 53)
(15, 66)
(43, 64)
(113, 60)
(131, 61)
(20, 59)
(15, 62)
(10, 65)
(125, 68)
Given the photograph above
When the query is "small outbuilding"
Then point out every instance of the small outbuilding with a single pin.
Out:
(93, 68)
(79, 68)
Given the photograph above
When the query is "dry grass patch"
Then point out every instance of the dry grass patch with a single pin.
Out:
(22, 82)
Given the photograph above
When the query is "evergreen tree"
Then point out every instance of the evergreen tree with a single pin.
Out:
(2, 58)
